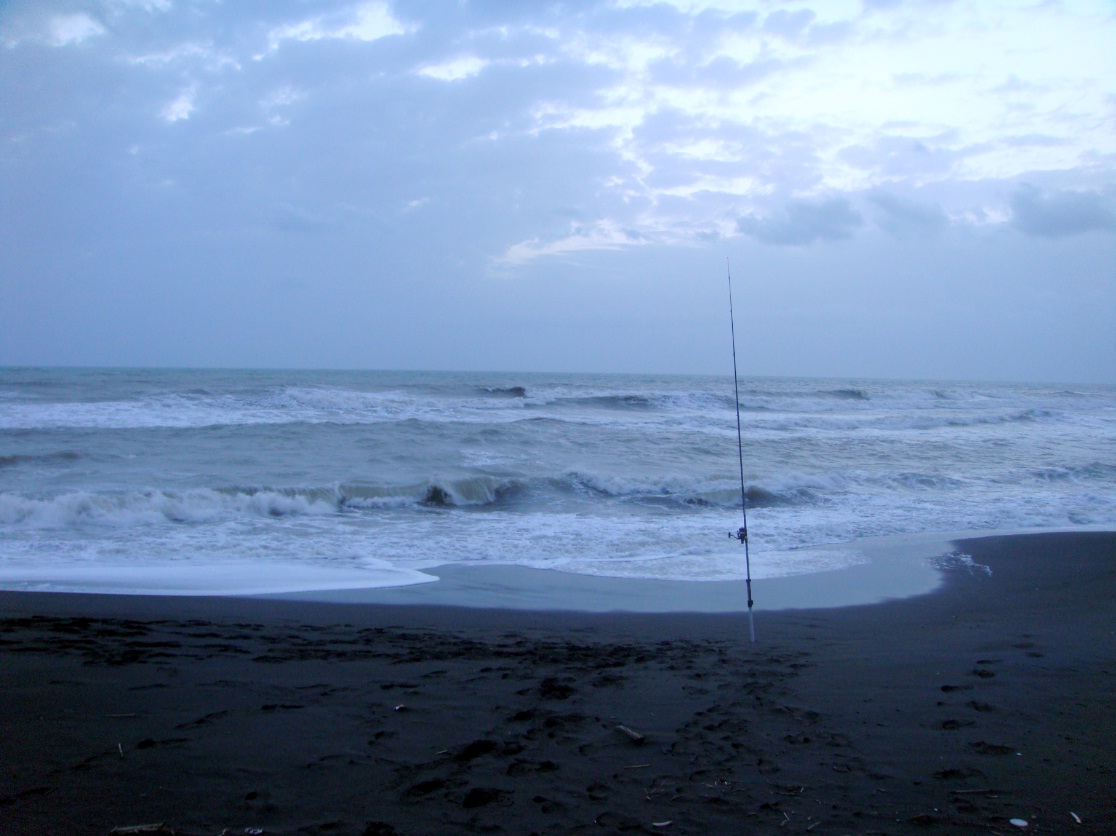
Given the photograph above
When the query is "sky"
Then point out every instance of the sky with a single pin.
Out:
(901, 188)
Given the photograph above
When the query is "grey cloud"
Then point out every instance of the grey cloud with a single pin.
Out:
(788, 24)
(788, 159)
(295, 166)
(721, 71)
(830, 33)
(902, 216)
(901, 156)
(803, 222)
(1056, 214)
(1035, 141)
(1015, 84)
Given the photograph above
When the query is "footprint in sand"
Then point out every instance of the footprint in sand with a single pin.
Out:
(148, 742)
(424, 788)
(481, 797)
(474, 750)
(957, 724)
(958, 774)
(524, 767)
(551, 689)
(983, 748)
(597, 791)
(201, 721)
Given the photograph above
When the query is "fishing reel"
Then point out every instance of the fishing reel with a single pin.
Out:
(740, 534)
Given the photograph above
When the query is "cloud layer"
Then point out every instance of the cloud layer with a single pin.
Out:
(502, 140)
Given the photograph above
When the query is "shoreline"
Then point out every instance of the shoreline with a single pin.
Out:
(991, 698)
(884, 568)
(889, 568)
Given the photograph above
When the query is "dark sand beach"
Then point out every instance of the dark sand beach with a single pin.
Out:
(990, 699)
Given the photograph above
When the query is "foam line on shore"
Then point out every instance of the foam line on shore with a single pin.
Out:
(888, 568)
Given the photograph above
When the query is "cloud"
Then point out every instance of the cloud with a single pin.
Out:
(788, 24)
(901, 216)
(73, 29)
(907, 157)
(366, 22)
(146, 5)
(245, 145)
(455, 69)
(1056, 213)
(804, 222)
(605, 235)
(27, 24)
(181, 107)
(204, 55)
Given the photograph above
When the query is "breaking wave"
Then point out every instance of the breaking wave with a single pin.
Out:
(640, 402)
(848, 394)
(208, 505)
(1093, 472)
(803, 407)
(473, 491)
(81, 509)
(40, 458)
(505, 391)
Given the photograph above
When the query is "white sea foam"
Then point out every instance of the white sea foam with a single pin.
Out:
(964, 561)
(201, 577)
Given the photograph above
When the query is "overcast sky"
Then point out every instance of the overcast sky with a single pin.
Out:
(903, 188)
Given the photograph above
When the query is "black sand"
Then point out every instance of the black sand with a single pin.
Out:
(989, 700)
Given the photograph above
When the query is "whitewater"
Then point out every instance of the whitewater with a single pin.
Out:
(245, 482)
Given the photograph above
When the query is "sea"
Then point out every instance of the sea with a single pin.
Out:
(263, 481)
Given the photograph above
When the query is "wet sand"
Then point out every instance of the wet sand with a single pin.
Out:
(990, 699)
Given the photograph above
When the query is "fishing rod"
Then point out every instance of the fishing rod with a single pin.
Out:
(741, 533)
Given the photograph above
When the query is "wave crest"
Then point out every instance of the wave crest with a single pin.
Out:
(80, 509)
(848, 394)
(16, 459)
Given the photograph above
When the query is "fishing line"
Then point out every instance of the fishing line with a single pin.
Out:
(742, 532)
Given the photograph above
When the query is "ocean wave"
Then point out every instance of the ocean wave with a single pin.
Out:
(81, 509)
(683, 492)
(505, 391)
(125, 509)
(788, 491)
(209, 505)
(848, 394)
(1099, 472)
(282, 405)
(472, 491)
(616, 402)
(898, 421)
(36, 458)
(807, 407)
(637, 400)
